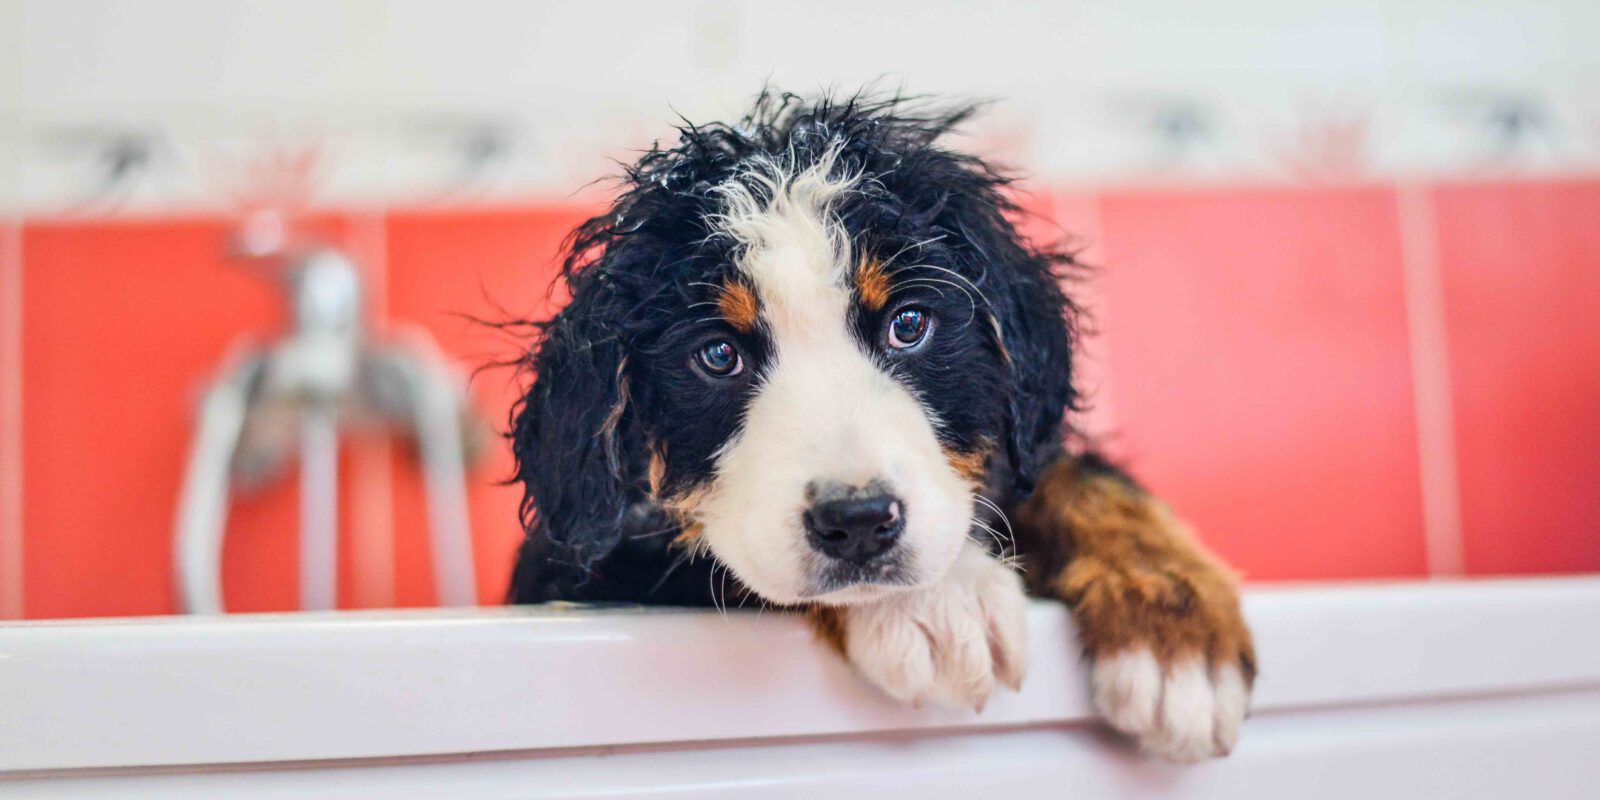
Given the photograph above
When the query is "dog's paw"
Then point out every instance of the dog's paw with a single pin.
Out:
(1172, 662)
(950, 643)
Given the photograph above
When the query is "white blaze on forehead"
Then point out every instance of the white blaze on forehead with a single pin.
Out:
(792, 246)
(824, 411)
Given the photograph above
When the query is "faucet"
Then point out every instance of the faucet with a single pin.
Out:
(324, 373)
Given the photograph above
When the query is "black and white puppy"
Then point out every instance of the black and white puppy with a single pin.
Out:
(808, 361)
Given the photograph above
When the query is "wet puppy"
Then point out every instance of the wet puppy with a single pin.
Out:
(808, 361)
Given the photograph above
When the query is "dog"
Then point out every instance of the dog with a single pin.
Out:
(808, 358)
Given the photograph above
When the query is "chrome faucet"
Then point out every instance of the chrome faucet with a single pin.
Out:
(324, 373)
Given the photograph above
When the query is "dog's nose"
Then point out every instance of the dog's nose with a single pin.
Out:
(855, 529)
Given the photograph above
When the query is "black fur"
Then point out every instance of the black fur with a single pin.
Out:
(613, 379)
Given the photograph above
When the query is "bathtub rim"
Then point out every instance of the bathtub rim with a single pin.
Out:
(145, 692)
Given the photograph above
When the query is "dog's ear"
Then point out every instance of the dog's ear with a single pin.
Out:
(1030, 316)
(1034, 321)
(577, 441)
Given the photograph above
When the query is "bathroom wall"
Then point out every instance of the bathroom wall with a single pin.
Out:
(1347, 269)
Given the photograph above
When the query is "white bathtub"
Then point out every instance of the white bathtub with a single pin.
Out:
(1451, 690)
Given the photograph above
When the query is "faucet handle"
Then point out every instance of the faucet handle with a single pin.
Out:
(263, 234)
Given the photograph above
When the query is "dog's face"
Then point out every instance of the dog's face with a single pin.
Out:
(856, 394)
(795, 349)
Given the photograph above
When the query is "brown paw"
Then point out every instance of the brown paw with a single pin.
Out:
(1172, 658)
(1172, 662)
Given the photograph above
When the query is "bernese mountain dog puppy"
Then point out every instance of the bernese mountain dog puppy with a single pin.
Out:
(809, 362)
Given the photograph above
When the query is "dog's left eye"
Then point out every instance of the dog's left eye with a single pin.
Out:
(908, 328)
(720, 359)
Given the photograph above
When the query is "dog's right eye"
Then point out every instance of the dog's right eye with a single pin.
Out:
(719, 359)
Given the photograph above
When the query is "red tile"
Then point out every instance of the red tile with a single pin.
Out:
(124, 322)
(1259, 368)
(1521, 272)
(1037, 217)
(445, 269)
(1077, 215)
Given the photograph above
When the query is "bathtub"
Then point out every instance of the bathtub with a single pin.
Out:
(1453, 690)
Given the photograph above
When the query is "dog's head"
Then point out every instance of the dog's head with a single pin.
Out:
(812, 341)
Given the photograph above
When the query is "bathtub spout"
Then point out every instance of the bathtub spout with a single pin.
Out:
(297, 394)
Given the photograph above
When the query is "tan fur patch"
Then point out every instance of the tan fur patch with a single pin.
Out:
(737, 302)
(656, 470)
(684, 508)
(689, 536)
(974, 465)
(1133, 573)
(872, 284)
(828, 623)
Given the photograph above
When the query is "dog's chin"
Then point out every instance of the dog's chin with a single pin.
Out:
(844, 585)
(840, 584)
(857, 594)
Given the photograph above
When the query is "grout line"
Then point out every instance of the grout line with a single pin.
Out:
(1430, 379)
(11, 466)
(373, 499)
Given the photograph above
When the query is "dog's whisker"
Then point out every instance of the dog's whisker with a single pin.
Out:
(999, 512)
(711, 586)
(1014, 561)
(994, 535)
(654, 533)
(721, 604)
(918, 245)
(926, 281)
(991, 532)
(685, 558)
(958, 277)
(1006, 551)
(929, 284)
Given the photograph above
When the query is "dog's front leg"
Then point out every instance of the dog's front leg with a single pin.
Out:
(1172, 659)
(951, 642)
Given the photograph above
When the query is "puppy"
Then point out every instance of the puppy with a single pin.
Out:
(809, 362)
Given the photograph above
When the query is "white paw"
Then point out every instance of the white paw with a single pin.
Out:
(951, 642)
(1185, 711)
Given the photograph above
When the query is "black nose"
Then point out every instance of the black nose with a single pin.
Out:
(857, 528)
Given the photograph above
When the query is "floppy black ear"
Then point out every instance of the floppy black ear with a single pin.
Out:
(1035, 321)
(578, 446)
(1030, 315)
